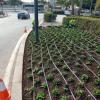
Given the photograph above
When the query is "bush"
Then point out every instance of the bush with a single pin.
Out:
(49, 17)
(40, 96)
(64, 98)
(97, 81)
(56, 92)
(97, 92)
(84, 78)
(80, 92)
(89, 24)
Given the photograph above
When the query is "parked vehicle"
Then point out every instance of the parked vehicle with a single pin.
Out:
(23, 15)
(67, 12)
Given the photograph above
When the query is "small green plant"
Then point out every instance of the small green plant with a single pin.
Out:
(49, 17)
(50, 77)
(97, 81)
(98, 67)
(98, 73)
(36, 70)
(57, 82)
(37, 82)
(81, 85)
(41, 96)
(71, 80)
(30, 76)
(55, 92)
(64, 98)
(66, 88)
(97, 49)
(40, 72)
(85, 78)
(80, 92)
(44, 85)
(65, 68)
(31, 90)
(65, 74)
(97, 92)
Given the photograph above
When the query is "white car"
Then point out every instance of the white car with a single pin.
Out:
(67, 12)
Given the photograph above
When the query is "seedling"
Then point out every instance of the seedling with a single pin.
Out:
(65, 68)
(44, 85)
(97, 92)
(30, 76)
(57, 82)
(50, 77)
(64, 98)
(41, 96)
(37, 82)
(97, 82)
(66, 88)
(98, 73)
(40, 72)
(98, 67)
(80, 92)
(97, 49)
(31, 90)
(85, 78)
(71, 80)
(55, 92)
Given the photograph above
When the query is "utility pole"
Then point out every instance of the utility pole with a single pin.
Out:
(72, 6)
(36, 20)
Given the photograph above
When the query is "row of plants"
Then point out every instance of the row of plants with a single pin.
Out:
(59, 67)
(69, 57)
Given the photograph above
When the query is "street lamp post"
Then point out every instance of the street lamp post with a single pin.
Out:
(36, 20)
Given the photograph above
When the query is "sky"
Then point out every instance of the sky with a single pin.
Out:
(27, 0)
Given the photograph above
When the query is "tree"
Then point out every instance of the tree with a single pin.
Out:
(97, 4)
(13, 2)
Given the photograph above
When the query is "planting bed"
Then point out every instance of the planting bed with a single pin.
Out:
(64, 65)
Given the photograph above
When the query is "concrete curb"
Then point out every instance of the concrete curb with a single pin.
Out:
(17, 78)
(13, 74)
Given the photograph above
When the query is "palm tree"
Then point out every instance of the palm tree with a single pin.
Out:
(97, 5)
(80, 6)
(72, 4)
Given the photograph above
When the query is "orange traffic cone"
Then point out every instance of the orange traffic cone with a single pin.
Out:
(4, 93)
(25, 30)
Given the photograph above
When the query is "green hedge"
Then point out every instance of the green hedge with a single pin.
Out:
(49, 17)
(84, 23)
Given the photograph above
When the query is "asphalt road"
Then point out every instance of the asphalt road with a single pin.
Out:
(11, 29)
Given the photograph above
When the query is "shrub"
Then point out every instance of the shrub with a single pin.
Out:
(97, 92)
(84, 78)
(49, 17)
(64, 98)
(50, 77)
(98, 67)
(29, 76)
(71, 79)
(98, 73)
(92, 25)
(57, 82)
(97, 81)
(37, 82)
(65, 68)
(40, 72)
(31, 90)
(56, 92)
(80, 92)
(40, 96)
(66, 88)
(44, 85)
(97, 49)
